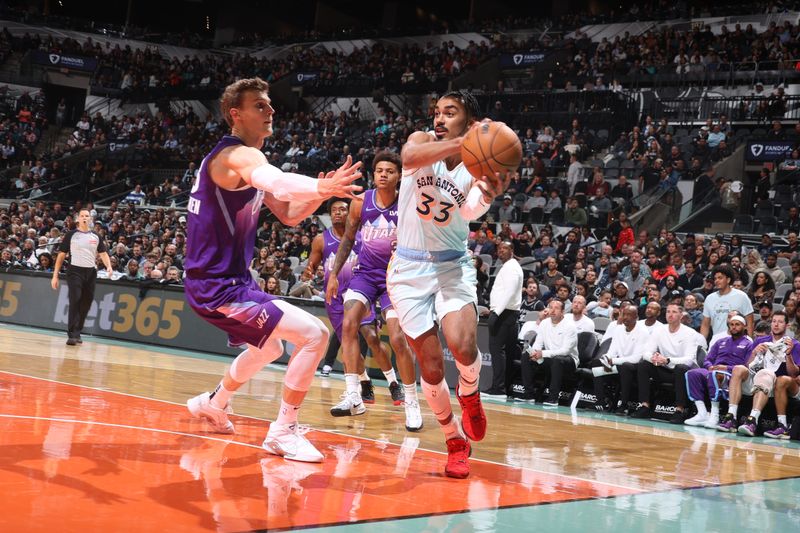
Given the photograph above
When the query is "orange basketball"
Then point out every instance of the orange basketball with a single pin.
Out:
(491, 147)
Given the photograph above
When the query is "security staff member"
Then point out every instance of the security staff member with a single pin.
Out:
(83, 247)
(505, 300)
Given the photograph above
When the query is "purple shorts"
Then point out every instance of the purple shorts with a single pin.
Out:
(336, 316)
(371, 284)
(237, 306)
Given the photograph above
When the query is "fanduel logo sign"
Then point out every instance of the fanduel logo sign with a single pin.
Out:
(517, 59)
(756, 149)
(54, 58)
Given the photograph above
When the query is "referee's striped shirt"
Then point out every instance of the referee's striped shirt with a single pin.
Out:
(82, 247)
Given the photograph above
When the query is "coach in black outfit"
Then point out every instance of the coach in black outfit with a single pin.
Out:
(504, 303)
(83, 247)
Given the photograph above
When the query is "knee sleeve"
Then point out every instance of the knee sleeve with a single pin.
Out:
(764, 381)
(254, 359)
(310, 339)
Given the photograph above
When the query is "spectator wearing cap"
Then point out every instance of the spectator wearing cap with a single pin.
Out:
(554, 202)
(621, 291)
(764, 310)
(766, 247)
(537, 201)
(284, 273)
(718, 304)
(507, 212)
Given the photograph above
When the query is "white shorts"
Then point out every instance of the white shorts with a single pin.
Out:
(424, 292)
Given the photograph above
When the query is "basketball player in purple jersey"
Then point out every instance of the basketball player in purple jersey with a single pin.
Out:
(226, 197)
(375, 214)
(323, 250)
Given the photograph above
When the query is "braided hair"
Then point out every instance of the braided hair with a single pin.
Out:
(469, 102)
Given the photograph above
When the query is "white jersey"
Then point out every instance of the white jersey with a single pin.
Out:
(428, 217)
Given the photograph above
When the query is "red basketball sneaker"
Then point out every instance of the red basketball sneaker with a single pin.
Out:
(473, 419)
(458, 451)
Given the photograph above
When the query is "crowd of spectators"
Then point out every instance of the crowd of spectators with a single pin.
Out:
(690, 54)
(22, 122)
(142, 74)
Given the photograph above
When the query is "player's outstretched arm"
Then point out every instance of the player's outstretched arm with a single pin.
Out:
(252, 166)
(420, 150)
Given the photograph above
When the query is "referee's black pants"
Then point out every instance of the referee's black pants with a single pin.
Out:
(80, 282)
(502, 344)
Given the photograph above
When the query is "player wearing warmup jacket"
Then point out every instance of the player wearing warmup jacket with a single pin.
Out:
(323, 250)
(374, 214)
(431, 278)
(225, 200)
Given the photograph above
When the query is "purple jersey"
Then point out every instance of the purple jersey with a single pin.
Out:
(221, 224)
(729, 352)
(220, 242)
(330, 247)
(378, 234)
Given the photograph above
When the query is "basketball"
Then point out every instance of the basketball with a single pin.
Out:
(491, 147)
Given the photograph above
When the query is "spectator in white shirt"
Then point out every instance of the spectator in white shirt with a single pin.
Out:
(504, 302)
(668, 355)
(555, 348)
(574, 172)
(582, 322)
(625, 353)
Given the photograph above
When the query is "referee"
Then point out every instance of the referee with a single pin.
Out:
(504, 303)
(83, 247)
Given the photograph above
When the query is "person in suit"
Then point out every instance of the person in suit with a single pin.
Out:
(482, 245)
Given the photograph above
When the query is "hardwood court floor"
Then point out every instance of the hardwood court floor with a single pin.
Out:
(96, 438)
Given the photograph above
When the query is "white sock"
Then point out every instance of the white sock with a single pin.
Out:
(733, 409)
(782, 419)
(351, 383)
(220, 396)
(701, 408)
(287, 415)
(468, 376)
(715, 409)
(391, 377)
(363, 376)
(410, 392)
(438, 397)
(755, 413)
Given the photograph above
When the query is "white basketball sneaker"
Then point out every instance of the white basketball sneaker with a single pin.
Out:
(200, 407)
(289, 442)
(712, 422)
(351, 405)
(413, 415)
(699, 419)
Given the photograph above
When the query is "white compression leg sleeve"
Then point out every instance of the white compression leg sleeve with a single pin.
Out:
(254, 359)
(310, 339)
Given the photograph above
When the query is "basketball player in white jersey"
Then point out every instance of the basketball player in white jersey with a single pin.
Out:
(431, 279)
